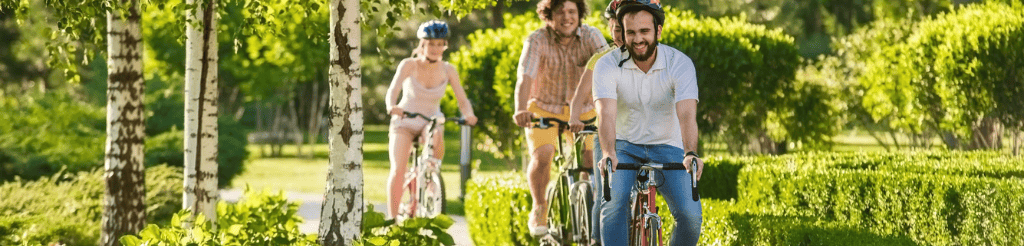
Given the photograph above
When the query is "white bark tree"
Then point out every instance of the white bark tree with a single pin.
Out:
(341, 214)
(201, 93)
(124, 209)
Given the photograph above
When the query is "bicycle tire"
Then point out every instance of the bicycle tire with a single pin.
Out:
(559, 211)
(433, 199)
(652, 230)
(582, 201)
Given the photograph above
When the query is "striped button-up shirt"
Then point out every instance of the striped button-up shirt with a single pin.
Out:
(556, 68)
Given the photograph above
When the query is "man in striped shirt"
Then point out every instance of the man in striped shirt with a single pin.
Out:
(550, 66)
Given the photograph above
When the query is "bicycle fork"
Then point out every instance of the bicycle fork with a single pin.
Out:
(647, 222)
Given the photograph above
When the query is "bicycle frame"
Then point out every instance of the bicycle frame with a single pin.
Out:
(644, 221)
(426, 167)
(561, 214)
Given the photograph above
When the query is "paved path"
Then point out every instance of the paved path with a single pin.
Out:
(309, 209)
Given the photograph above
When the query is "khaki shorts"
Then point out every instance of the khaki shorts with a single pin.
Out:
(536, 138)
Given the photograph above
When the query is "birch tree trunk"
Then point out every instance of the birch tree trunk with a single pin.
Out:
(124, 209)
(341, 214)
(201, 111)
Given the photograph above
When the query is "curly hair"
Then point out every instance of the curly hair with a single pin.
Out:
(545, 7)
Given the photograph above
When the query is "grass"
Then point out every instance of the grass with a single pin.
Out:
(309, 175)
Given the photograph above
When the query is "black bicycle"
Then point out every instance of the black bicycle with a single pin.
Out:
(570, 199)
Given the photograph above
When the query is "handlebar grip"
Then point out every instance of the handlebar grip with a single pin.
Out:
(693, 179)
(607, 181)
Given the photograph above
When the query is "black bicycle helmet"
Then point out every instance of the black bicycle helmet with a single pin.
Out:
(629, 6)
(609, 12)
(651, 6)
(433, 29)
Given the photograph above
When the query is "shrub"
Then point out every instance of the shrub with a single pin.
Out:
(951, 70)
(414, 231)
(46, 132)
(168, 148)
(497, 209)
(928, 208)
(68, 207)
(260, 218)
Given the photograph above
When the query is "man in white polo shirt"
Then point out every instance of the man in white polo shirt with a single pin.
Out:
(651, 92)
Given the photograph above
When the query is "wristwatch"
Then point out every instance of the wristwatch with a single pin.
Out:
(694, 154)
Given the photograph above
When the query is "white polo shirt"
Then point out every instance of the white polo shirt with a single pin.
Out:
(647, 101)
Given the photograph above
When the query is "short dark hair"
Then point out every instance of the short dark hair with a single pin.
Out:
(544, 8)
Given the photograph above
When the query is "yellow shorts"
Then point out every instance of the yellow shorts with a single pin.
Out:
(536, 138)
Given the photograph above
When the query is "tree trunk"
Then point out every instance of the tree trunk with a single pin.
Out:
(498, 14)
(314, 117)
(341, 214)
(275, 133)
(295, 128)
(260, 128)
(124, 208)
(987, 134)
(201, 93)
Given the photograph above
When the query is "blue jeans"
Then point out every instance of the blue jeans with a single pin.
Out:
(675, 189)
(595, 180)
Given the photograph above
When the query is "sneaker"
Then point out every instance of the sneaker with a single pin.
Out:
(535, 229)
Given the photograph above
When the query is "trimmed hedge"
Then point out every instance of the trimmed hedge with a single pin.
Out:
(991, 164)
(68, 207)
(817, 198)
(497, 209)
(930, 209)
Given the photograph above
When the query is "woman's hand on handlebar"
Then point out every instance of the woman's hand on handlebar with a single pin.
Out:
(397, 111)
(470, 120)
(700, 165)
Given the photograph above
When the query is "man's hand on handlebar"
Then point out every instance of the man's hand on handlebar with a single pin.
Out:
(523, 118)
(700, 165)
(470, 120)
(575, 125)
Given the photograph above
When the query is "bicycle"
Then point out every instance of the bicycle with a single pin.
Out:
(424, 194)
(569, 200)
(644, 222)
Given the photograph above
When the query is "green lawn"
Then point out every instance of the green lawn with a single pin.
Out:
(291, 173)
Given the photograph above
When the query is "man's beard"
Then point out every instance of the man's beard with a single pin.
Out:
(646, 55)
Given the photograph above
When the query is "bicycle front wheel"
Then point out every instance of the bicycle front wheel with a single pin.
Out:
(582, 200)
(432, 196)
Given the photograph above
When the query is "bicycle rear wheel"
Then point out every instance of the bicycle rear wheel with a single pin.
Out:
(432, 195)
(582, 200)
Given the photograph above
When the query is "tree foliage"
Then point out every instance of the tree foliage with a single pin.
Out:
(951, 71)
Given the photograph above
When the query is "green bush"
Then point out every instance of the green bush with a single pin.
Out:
(168, 148)
(260, 218)
(497, 209)
(928, 208)
(413, 231)
(952, 70)
(40, 134)
(68, 207)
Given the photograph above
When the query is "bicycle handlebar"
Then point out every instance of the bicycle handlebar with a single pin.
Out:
(545, 123)
(693, 179)
(663, 166)
(604, 175)
(458, 120)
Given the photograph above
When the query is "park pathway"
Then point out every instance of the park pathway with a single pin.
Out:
(309, 209)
